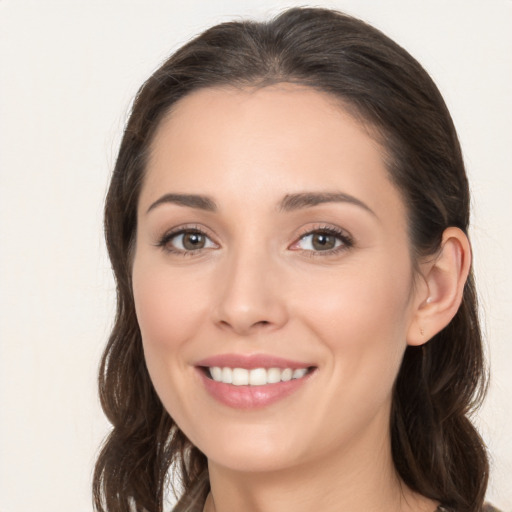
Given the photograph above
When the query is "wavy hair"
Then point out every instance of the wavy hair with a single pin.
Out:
(436, 449)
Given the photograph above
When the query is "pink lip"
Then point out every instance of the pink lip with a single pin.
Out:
(251, 361)
(250, 397)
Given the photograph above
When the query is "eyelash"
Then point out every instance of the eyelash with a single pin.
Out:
(346, 240)
(164, 242)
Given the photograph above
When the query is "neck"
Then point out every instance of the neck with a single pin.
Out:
(361, 478)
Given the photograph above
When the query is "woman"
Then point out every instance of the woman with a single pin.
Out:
(297, 325)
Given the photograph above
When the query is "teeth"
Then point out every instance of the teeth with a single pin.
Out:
(273, 375)
(256, 377)
(298, 374)
(287, 374)
(240, 377)
(216, 373)
(227, 375)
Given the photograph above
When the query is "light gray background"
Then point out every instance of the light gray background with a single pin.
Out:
(68, 72)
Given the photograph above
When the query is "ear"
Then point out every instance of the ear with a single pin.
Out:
(439, 294)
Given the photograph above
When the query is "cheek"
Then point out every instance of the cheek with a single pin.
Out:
(362, 318)
(360, 298)
(165, 306)
(169, 309)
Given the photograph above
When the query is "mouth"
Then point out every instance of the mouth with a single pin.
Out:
(253, 381)
(254, 376)
(251, 386)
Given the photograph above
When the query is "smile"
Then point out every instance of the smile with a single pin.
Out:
(252, 381)
(256, 376)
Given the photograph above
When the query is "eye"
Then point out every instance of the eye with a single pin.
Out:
(325, 240)
(186, 240)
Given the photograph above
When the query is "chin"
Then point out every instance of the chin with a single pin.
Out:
(248, 461)
(251, 451)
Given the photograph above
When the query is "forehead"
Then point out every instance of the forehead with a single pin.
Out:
(279, 116)
(266, 143)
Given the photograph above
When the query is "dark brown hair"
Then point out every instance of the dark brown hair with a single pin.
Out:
(436, 450)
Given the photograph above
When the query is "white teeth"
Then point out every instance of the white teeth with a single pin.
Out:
(227, 375)
(286, 374)
(255, 377)
(258, 377)
(216, 373)
(273, 375)
(298, 374)
(240, 377)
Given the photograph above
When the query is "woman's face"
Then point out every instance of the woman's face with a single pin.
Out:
(271, 239)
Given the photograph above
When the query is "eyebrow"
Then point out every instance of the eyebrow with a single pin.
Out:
(293, 202)
(289, 203)
(190, 200)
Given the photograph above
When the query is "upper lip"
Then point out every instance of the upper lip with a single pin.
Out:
(251, 361)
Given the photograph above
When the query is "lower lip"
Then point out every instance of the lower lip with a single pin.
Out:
(251, 397)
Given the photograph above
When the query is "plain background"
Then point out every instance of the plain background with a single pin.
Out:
(69, 70)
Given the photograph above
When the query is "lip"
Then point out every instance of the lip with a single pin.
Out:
(252, 361)
(251, 397)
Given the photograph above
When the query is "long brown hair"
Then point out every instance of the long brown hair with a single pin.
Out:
(436, 450)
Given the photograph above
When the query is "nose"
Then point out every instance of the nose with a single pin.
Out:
(251, 295)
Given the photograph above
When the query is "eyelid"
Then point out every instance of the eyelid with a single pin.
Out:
(165, 239)
(341, 234)
(346, 239)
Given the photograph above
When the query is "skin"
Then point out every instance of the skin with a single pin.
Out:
(260, 286)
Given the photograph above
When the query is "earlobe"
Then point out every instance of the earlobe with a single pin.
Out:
(444, 276)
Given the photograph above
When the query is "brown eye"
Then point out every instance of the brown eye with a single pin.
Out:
(186, 241)
(319, 241)
(193, 241)
(323, 241)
